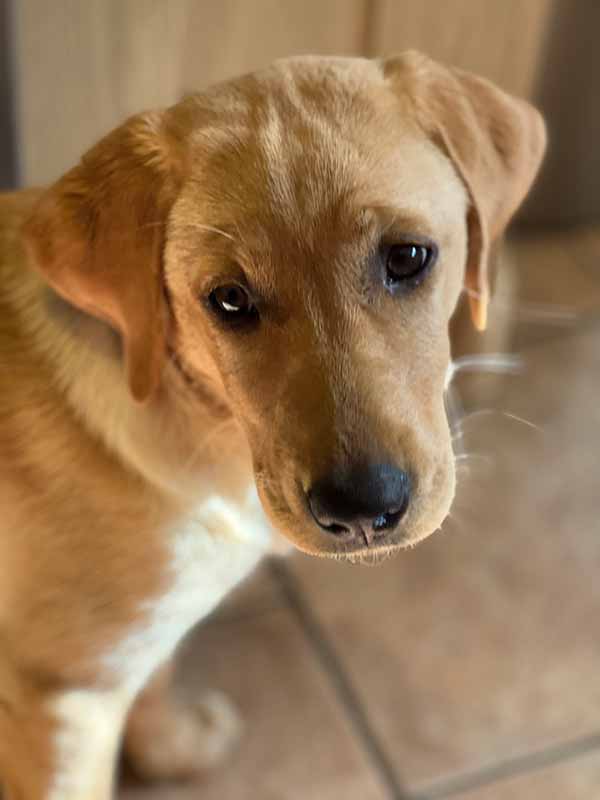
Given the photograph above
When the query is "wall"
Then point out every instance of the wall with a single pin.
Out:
(84, 66)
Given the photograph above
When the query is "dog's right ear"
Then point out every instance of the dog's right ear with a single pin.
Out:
(97, 237)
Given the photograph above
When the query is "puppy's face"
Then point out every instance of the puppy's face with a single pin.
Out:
(315, 256)
(311, 227)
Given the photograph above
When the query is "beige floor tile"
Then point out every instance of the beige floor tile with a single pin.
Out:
(482, 643)
(257, 594)
(558, 283)
(557, 269)
(576, 779)
(298, 742)
(587, 248)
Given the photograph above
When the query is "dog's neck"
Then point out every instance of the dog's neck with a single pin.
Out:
(180, 441)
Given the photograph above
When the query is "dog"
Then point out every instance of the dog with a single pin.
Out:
(228, 323)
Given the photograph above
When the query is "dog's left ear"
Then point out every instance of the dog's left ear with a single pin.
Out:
(495, 141)
(97, 237)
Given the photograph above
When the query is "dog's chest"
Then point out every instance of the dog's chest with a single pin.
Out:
(212, 551)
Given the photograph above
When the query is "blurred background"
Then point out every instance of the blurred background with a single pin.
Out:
(470, 667)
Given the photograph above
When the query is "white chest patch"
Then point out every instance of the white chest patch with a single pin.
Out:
(214, 550)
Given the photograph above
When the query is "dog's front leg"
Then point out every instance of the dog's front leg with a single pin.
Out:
(168, 739)
(61, 745)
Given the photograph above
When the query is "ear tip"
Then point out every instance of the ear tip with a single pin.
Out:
(481, 323)
(479, 312)
(141, 388)
(144, 361)
(143, 380)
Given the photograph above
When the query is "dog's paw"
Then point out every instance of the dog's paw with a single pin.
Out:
(182, 741)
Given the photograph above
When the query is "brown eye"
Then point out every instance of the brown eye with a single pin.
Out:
(232, 303)
(406, 263)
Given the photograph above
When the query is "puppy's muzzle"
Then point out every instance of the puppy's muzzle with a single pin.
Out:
(363, 505)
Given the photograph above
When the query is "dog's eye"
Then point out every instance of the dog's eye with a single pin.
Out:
(232, 303)
(407, 263)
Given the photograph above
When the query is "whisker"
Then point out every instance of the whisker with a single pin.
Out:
(392, 222)
(482, 412)
(559, 315)
(150, 225)
(522, 420)
(534, 312)
(209, 229)
(454, 408)
(472, 457)
(485, 362)
(465, 462)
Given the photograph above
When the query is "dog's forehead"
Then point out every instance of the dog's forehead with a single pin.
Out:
(287, 137)
(294, 155)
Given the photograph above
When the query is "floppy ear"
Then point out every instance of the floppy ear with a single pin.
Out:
(495, 141)
(97, 237)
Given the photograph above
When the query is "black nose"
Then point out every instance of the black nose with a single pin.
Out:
(361, 503)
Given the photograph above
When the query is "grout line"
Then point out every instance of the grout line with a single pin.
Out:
(331, 665)
(444, 788)
(234, 616)
(510, 768)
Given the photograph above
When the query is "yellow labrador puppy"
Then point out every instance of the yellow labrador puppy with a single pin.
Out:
(244, 296)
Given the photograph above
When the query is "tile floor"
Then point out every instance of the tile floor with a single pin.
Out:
(466, 668)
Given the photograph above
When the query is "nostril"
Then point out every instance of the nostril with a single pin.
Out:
(336, 528)
(323, 518)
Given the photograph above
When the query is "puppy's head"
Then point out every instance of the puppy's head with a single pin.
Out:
(301, 237)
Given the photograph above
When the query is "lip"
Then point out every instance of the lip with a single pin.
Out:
(326, 548)
(372, 539)
(335, 545)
